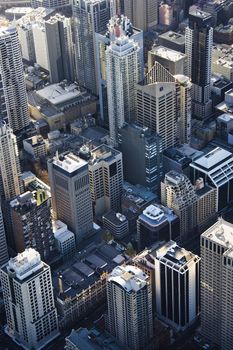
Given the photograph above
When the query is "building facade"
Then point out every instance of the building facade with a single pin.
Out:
(143, 14)
(3, 243)
(29, 302)
(129, 297)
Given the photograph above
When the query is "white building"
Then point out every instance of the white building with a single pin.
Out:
(9, 163)
(29, 302)
(70, 189)
(117, 24)
(3, 243)
(106, 179)
(35, 146)
(64, 239)
(130, 307)
(123, 71)
(14, 105)
(41, 48)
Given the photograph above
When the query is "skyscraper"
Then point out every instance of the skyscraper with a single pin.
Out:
(124, 70)
(14, 105)
(90, 17)
(142, 156)
(71, 199)
(143, 13)
(116, 25)
(31, 223)
(216, 281)
(3, 244)
(156, 104)
(198, 47)
(184, 108)
(10, 183)
(28, 299)
(106, 179)
(130, 307)
(175, 274)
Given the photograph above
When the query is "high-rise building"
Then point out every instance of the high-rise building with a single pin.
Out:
(116, 25)
(10, 183)
(28, 299)
(142, 156)
(174, 272)
(3, 243)
(53, 4)
(156, 223)
(174, 61)
(129, 298)
(53, 46)
(32, 224)
(124, 68)
(156, 104)
(90, 17)
(198, 47)
(165, 14)
(216, 280)
(184, 108)
(106, 179)
(194, 205)
(14, 105)
(143, 13)
(71, 199)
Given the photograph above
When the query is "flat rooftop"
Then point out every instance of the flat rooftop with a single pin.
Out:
(225, 118)
(103, 152)
(69, 163)
(212, 158)
(173, 36)
(130, 278)
(167, 53)
(221, 233)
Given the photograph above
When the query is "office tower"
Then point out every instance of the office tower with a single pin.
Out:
(142, 156)
(215, 168)
(60, 48)
(156, 223)
(64, 240)
(52, 4)
(172, 40)
(116, 224)
(31, 223)
(14, 96)
(10, 183)
(129, 298)
(174, 61)
(178, 193)
(196, 206)
(53, 46)
(106, 179)
(143, 13)
(3, 244)
(198, 47)
(165, 14)
(28, 299)
(123, 71)
(71, 200)
(156, 104)
(89, 17)
(116, 25)
(174, 272)
(184, 108)
(216, 279)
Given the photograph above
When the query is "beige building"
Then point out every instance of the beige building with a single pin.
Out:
(142, 13)
(106, 179)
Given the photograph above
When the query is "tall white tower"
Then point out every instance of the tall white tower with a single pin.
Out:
(10, 184)
(124, 70)
(29, 302)
(12, 80)
(130, 306)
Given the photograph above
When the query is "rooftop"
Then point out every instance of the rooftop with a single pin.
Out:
(61, 232)
(69, 162)
(212, 158)
(168, 54)
(25, 264)
(156, 214)
(103, 152)
(131, 278)
(225, 118)
(116, 218)
(173, 36)
(221, 233)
